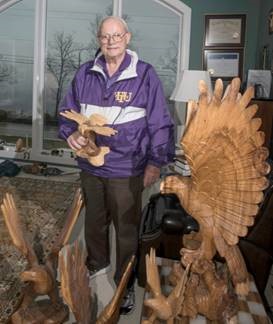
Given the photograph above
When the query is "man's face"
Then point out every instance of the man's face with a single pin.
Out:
(113, 39)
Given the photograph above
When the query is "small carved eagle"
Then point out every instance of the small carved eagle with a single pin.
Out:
(89, 127)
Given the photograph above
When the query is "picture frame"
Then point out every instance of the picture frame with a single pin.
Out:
(225, 30)
(223, 63)
(261, 80)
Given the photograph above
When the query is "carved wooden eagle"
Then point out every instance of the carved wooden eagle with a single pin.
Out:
(42, 260)
(89, 127)
(224, 149)
(164, 308)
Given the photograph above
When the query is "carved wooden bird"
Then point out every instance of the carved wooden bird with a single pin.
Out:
(41, 273)
(224, 149)
(89, 127)
(75, 287)
(164, 308)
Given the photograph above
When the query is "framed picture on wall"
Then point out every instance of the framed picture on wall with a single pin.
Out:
(261, 81)
(223, 63)
(225, 30)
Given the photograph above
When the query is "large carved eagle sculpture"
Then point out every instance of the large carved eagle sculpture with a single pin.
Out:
(224, 149)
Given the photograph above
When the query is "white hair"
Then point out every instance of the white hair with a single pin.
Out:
(117, 18)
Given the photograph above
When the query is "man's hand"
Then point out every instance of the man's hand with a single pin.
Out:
(76, 141)
(151, 175)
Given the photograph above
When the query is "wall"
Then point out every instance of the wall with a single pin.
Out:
(265, 39)
(253, 10)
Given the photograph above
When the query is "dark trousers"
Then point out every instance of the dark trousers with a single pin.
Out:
(106, 200)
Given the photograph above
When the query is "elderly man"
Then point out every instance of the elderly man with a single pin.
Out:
(128, 93)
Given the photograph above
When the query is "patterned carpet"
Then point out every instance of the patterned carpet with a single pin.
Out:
(43, 205)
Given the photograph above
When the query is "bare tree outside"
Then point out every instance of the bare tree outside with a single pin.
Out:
(167, 67)
(65, 56)
(61, 62)
(169, 60)
(7, 77)
(93, 27)
(6, 71)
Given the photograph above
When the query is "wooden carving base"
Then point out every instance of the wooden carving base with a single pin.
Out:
(251, 309)
(41, 312)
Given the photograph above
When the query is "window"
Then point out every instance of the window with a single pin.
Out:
(16, 72)
(70, 41)
(155, 37)
(155, 33)
(53, 39)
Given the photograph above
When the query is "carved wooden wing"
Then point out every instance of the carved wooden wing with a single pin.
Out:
(153, 279)
(93, 123)
(75, 281)
(73, 115)
(16, 228)
(224, 148)
(70, 220)
(92, 120)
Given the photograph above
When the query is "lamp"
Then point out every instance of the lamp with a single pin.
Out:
(187, 90)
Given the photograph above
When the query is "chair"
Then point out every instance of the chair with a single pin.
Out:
(163, 224)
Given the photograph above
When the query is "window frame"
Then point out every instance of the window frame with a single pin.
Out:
(37, 153)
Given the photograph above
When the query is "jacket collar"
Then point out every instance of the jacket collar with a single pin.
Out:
(127, 68)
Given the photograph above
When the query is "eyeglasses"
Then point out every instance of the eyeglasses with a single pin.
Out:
(115, 37)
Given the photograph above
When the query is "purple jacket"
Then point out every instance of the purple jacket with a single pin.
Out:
(134, 104)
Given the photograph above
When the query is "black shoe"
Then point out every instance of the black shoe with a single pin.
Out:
(128, 302)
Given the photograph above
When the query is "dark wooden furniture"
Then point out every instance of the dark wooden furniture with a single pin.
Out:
(256, 247)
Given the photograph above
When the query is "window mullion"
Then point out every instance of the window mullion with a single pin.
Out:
(38, 78)
(117, 8)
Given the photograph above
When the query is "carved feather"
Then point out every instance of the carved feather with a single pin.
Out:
(75, 282)
(16, 229)
(221, 144)
(110, 314)
(70, 221)
(73, 115)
